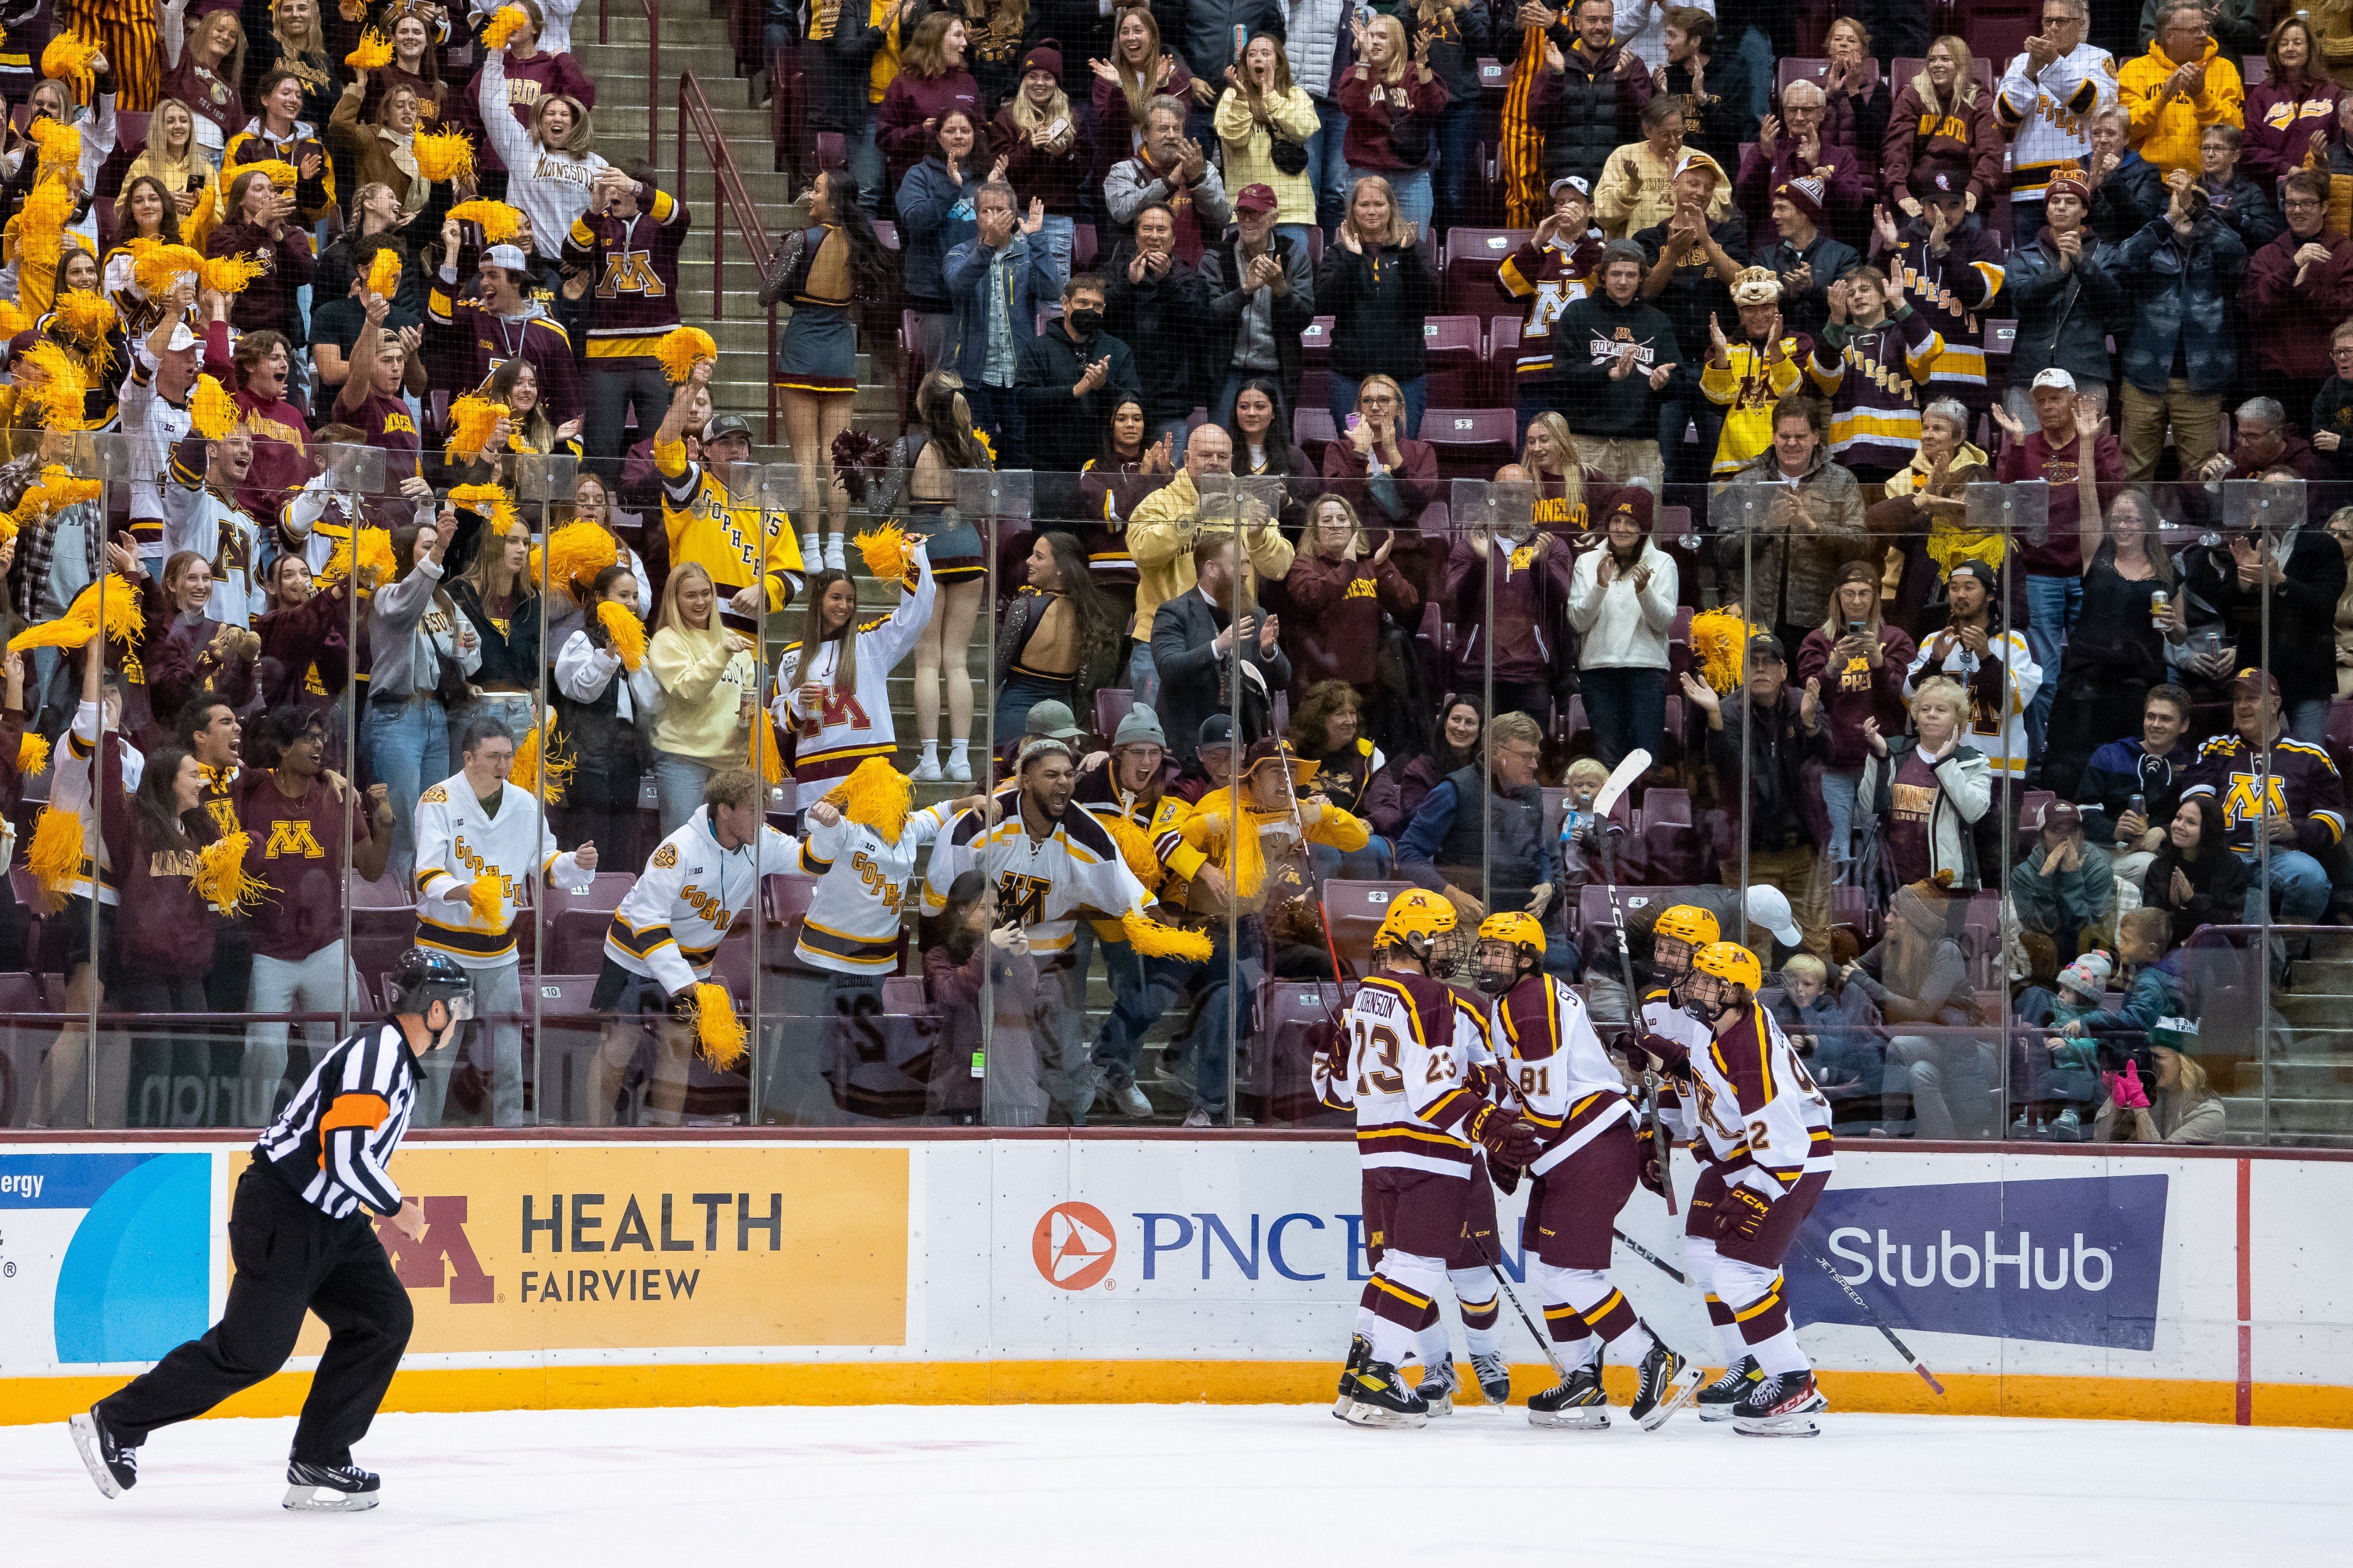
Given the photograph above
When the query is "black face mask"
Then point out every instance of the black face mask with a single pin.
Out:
(1085, 323)
(1495, 985)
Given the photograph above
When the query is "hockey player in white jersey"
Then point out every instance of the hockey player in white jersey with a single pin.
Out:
(695, 886)
(1587, 1159)
(1764, 1137)
(1402, 1061)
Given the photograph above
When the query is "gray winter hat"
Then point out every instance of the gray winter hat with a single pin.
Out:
(1141, 726)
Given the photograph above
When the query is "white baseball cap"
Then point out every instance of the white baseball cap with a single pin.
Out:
(2056, 377)
(1770, 908)
(511, 257)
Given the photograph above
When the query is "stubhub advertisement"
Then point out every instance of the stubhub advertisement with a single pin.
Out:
(103, 1258)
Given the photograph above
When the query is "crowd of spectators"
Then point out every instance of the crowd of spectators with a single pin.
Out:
(1793, 346)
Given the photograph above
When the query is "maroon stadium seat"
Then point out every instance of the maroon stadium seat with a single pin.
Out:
(577, 921)
(1290, 1016)
(1472, 443)
(1113, 703)
(1456, 355)
(1354, 911)
(1503, 360)
(1471, 257)
(1312, 430)
(1315, 344)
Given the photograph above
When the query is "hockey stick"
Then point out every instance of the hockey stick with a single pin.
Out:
(1877, 1321)
(1543, 1340)
(1633, 766)
(1652, 1258)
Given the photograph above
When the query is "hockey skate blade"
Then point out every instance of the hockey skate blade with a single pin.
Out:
(1374, 1417)
(1778, 1427)
(85, 1437)
(327, 1500)
(1686, 1385)
(1582, 1418)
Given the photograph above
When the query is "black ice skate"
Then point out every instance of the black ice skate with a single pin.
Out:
(1438, 1386)
(1717, 1400)
(329, 1488)
(114, 1467)
(1360, 1351)
(1779, 1406)
(1382, 1399)
(1494, 1375)
(1577, 1405)
(1667, 1381)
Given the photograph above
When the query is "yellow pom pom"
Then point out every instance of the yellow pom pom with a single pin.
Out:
(629, 634)
(499, 222)
(84, 316)
(485, 900)
(374, 52)
(41, 222)
(384, 273)
(471, 420)
(767, 755)
(682, 348)
(718, 1033)
(282, 174)
(32, 755)
(60, 144)
(221, 880)
(376, 559)
(888, 555)
(49, 382)
(1135, 848)
(876, 795)
(228, 274)
(543, 768)
(576, 553)
(442, 155)
(159, 268)
(492, 501)
(68, 59)
(55, 855)
(12, 319)
(503, 26)
(125, 621)
(1719, 639)
(53, 491)
(1153, 939)
(211, 411)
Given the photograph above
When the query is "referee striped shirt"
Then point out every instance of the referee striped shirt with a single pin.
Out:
(334, 1140)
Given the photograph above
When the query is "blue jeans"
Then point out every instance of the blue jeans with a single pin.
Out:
(1213, 1051)
(2307, 720)
(1143, 990)
(1017, 696)
(407, 748)
(1839, 791)
(997, 411)
(1458, 158)
(1326, 165)
(1376, 862)
(865, 154)
(1177, 425)
(1344, 402)
(1628, 710)
(2052, 606)
(678, 788)
(1060, 235)
(2296, 881)
(1414, 198)
(1144, 681)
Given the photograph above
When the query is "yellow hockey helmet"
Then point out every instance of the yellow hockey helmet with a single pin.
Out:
(1514, 929)
(1688, 923)
(1730, 962)
(1415, 913)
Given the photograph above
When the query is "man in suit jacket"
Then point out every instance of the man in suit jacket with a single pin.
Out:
(1192, 647)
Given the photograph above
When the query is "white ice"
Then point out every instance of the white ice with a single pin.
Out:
(1209, 1486)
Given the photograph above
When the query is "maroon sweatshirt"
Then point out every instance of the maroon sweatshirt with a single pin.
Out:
(305, 655)
(2290, 321)
(163, 926)
(1531, 622)
(1414, 479)
(185, 660)
(911, 100)
(282, 460)
(1857, 692)
(2057, 556)
(287, 263)
(1056, 176)
(1333, 628)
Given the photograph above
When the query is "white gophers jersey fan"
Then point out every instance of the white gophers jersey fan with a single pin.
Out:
(852, 924)
(1041, 884)
(845, 729)
(70, 789)
(1547, 1050)
(689, 895)
(458, 841)
(1411, 1043)
(2049, 120)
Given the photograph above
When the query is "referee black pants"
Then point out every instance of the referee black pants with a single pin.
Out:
(290, 1259)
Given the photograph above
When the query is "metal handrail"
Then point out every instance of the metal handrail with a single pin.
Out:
(730, 198)
(651, 11)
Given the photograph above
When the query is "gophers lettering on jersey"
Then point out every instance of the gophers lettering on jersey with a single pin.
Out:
(853, 920)
(689, 895)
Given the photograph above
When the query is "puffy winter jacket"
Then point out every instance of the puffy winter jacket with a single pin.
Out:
(1587, 110)
(2176, 293)
(1317, 44)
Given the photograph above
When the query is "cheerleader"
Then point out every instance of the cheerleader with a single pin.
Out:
(833, 687)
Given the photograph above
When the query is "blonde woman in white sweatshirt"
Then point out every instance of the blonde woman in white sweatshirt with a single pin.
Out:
(1621, 600)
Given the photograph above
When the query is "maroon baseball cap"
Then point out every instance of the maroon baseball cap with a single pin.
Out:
(1255, 199)
(2257, 680)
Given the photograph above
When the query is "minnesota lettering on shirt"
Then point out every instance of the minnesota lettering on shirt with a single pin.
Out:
(1913, 803)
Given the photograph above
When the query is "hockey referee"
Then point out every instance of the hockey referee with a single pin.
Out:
(301, 1245)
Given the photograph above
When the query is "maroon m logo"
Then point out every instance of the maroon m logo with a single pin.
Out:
(418, 1264)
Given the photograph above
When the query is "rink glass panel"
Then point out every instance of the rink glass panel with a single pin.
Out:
(1048, 1041)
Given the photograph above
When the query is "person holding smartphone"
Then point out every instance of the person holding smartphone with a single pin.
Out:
(1859, 661)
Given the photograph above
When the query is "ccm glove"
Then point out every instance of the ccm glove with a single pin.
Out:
(1742, 1214)
(1648, 1156)
(1507, 1140)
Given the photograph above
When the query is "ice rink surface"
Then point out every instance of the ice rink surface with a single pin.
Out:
(1210, 1487)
